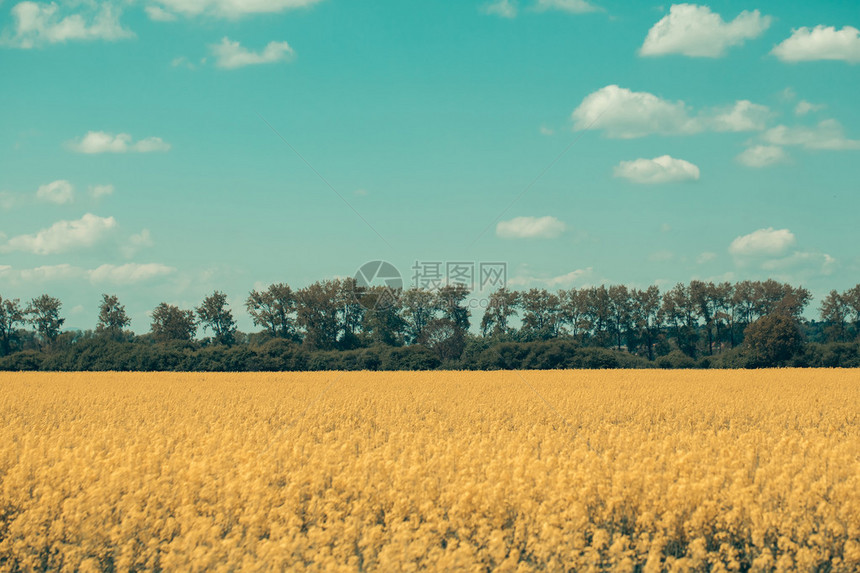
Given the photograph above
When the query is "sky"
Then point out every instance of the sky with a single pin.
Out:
(160, 150)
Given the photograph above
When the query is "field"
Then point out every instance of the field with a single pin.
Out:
(562, 470)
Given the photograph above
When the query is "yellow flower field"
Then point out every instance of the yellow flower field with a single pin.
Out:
(475, 471)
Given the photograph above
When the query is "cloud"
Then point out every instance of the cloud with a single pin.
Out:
(37, 24)
(128, 273)
(626, 114)
(572, 6)
(137, 242)
(102, 142)
(530, 228)
(770, 242)
(663, 169)
(97, 191)
(501, 8)
(820, 43)
(231, 55)
(159, 14)
(762, 156)
(803, 107)
(706, 257)
(230, 8)
(695, 31)
(820, 262)
(510, 8)
(63, 236)
(744, 116)
(546, 130)
(41, 274)
(661, 256)
(826, 135)
(567, 279)
(122, 274)
(59, 192)
(7, 201)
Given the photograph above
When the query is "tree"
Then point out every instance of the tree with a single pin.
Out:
(44, 314)
(171, 323)
(574, 310)
(646, 316)
(215, 315)
(773, 340)
(11, 316)
(599, 314)
(274, 309)
(450, 300)
(318, 313)
(542, 314)
(501, 306)
(851, 297)
(724, 317)
(419, 308)
(835, 311)
(381, 322)
(619, 312)
(351, 309)
(112, 317)
(444, 338)
(680, 312)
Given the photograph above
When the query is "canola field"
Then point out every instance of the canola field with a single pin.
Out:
(410, 471)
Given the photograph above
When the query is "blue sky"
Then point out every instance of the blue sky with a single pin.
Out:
(595, 142)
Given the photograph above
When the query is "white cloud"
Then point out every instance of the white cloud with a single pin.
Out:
(510, 8)
(103, 142)
(762, 156)
(820, 262)
(114, 274)
(567, 279)
(803, 107)
(820, 43)
(546, 130)
(97, 191)
(706, 257)
(63, 236)
(58, 192)
(7, 201)
(45, 273)
(230, 8)
(744, 116)
(626, 114)
(770, 241)
(501, 8)
(826, 135)
(572, 6)
(128, 273)
(137, 242)
(230, 55)
(530, 227)
(661, 256)
(695, 31)
(159, 14)
(663, 169)
(37, 24)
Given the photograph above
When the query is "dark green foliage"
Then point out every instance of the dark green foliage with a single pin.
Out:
(22, 361)
(335, 325)
(773, 340)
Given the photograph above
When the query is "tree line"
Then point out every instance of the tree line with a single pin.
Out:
(339, 324)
